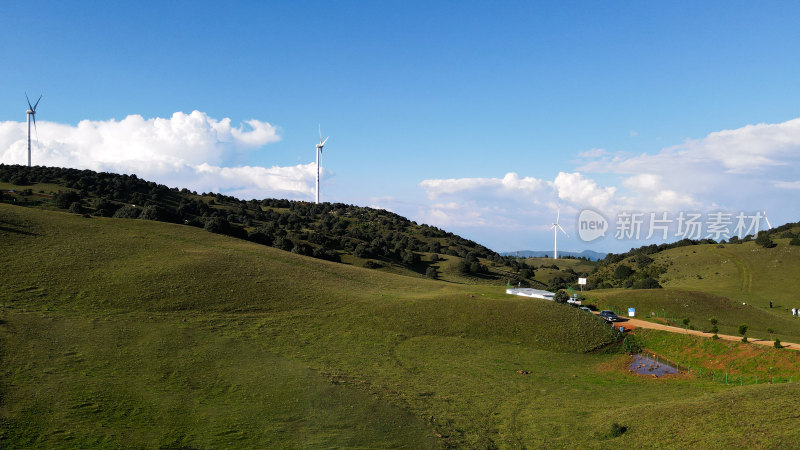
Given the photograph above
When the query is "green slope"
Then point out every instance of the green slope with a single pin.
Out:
(119, 332)
(699, 307)
(742, 272)
(350, 234)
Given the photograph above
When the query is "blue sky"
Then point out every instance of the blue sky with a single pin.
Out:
(430, 105)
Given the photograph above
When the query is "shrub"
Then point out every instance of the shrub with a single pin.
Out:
(647, 283)
(128, 212)
(743, 332)
(260, 236)
(370, 264)
(105, 208)
(622, 271)
(76, 208)
(632, 344)
(302, 248)
(617, 430)
(431, 273)
(764, 240)
(561, 297)
(65, 199)
(217, 225)
(154, 212)
(777, 343)
(283, 243)
(795, 241)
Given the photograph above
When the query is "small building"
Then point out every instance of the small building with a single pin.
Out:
(530, 292)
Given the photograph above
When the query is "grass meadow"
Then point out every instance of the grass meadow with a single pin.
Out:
(130, 333)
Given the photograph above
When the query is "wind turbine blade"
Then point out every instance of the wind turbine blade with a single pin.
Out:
(562, 230)
(326, 140)
(36, 104)
(319, 127)
(765, 217)
(29, 101)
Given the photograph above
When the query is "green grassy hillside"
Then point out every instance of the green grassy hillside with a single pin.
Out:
(699, 307)
(733, 282)
(364, 237)
(743, 272)
(121, 332)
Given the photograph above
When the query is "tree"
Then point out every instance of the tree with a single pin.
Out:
(743, 332)
(217, 225)
(260, 236)
(764, 240)
(76, 208)
(646, 283)
(154, 212)
(770, 331)
(128, 212)
(105, 208)
(361, 251)
(410, 258)
(432, 273)
(561, 296)
(714, 328)
(65, 199)
(686, 323)
(283, 243)
(622, 271)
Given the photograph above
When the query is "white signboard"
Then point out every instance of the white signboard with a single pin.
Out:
(581, 280)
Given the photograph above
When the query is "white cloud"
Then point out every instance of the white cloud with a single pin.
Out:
(511, 203)
(186, 150)
(752, 147)
(582, 191)
(788, 184)
(748, 169)
(511, 183)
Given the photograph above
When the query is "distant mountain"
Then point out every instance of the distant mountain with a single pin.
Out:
(594, 256)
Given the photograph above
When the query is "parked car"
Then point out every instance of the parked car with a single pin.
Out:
(610, 316)
(586, 309)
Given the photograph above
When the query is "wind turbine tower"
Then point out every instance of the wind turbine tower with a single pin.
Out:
(31, 114)
(319, 156)
(555, 229)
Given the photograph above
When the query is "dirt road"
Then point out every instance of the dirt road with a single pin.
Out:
(632, 324)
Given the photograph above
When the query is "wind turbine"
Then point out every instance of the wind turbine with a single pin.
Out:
(769, 226)
(319, 156)
(555, 229)
(31, 113)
